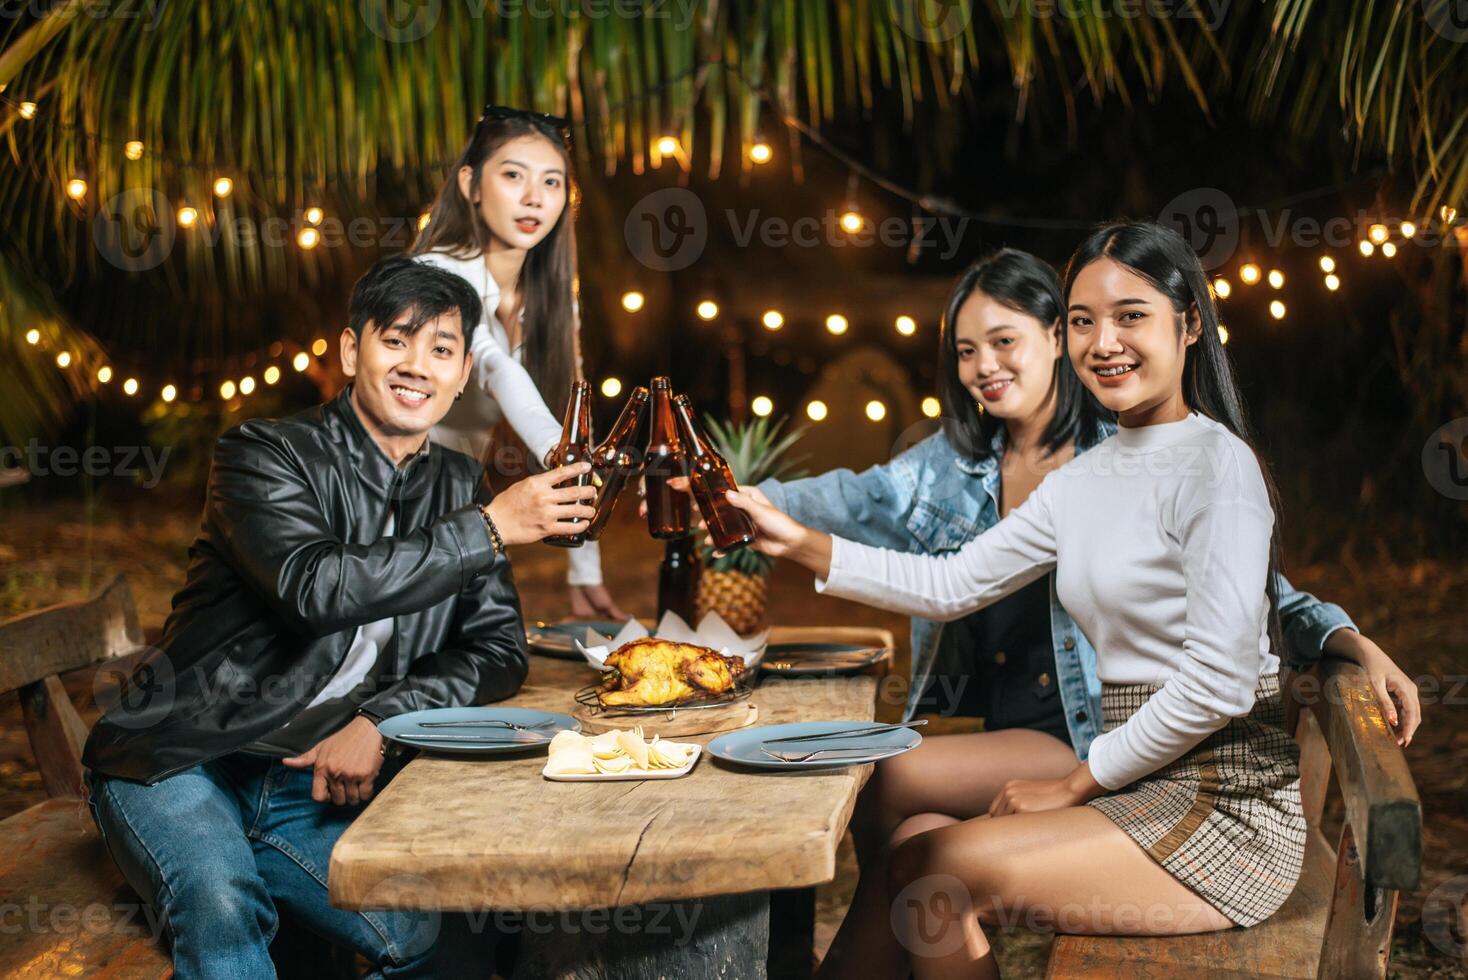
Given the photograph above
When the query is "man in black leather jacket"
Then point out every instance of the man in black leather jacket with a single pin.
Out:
(344, 573)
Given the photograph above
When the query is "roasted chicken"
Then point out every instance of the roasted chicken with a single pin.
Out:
(652, 671)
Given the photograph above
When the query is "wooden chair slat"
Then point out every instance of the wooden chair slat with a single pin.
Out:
(67, 636)
(1358, 932)
(57, 734)
(1380, 798)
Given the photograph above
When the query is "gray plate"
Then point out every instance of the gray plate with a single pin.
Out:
(493, 740)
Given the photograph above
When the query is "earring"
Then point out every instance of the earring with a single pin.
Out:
(459, 395)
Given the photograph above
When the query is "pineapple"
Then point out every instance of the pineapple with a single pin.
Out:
(736, 585)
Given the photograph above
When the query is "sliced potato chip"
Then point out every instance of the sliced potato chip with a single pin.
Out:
(568, 739)
(613, 764)
(605, 745)
(571, 761)
(632, 744)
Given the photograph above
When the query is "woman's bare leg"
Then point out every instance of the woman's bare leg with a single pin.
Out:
(947, 779)
(1071, 870)
(958, 775)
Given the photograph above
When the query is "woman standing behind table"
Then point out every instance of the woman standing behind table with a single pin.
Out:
(502, 222)
(1162, 543)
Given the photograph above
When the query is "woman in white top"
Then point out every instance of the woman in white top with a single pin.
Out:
(502, 222)
(1186, 817)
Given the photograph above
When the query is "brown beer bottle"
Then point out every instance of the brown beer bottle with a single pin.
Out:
(709, 477)
(668, 510)
(678, 577)
(615, 461)
(574, 447)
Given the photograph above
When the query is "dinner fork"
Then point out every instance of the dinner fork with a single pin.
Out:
(803, 756)
(486, 723)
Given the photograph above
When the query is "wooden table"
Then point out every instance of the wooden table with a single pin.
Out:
(492, 833)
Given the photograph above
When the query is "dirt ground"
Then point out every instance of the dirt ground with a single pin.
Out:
(1416, 612)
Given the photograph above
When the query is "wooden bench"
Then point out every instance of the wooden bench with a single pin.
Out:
(64, 907)
(1338, 921)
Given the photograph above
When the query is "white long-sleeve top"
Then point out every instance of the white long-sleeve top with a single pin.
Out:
(503, 389)
(1159, 538)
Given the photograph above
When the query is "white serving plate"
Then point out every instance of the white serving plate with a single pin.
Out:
(639, 774)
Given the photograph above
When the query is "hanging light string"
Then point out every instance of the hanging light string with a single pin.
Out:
(1378, 237)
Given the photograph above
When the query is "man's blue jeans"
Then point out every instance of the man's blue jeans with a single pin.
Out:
(218, 850)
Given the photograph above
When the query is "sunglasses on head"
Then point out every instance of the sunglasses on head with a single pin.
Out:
(557, 123)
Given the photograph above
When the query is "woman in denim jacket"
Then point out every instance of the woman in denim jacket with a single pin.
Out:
(1013, 410)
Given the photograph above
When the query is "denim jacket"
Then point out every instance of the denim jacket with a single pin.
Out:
(932, 500)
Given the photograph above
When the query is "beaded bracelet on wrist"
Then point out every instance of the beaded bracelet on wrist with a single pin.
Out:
(494, 532)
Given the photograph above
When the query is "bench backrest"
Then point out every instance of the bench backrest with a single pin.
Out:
(1338, 722)
(38, 647)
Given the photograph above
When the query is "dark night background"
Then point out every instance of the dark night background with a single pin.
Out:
(1345, 391)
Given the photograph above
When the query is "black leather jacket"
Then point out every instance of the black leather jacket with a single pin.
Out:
(288, 564)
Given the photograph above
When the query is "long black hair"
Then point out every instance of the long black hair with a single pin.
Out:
(1025, 284)
(1165, 259)
(549, 273)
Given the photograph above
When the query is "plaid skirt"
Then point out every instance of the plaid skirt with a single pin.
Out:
(1225, 819)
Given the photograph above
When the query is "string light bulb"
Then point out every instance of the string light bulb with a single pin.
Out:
(611, 387)
(1389, 249)
(169, 393)
(33, 336)
(272, 374)
(773, 319)
(708, 309)
(104, 374)
(876, 411)
(133, 149)
(423, 220)
(1366, 247)
(314, 215)
(308, 238)
(1222, 334)
(761, 152)
(1409, 229)
(1378, 233)
(1327, 264)
(1249, 274)
(63, 359)
(226, 390)
(632, 301)
(76, 188)
(1276, 279)
(906, 325)
(223, 187)
(1277, 310)
(932, 407)
(852, 221)
(837, 324)
(27, 110)
(1446, 213)
(130, 387)
(815, 410)
(301, 361)
(668, 146)
(1222, 288)
(187, 217)
(318, 346)
(247, 385)
(1332, 282)
(761, 405)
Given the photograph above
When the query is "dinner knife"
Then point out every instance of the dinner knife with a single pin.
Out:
(847, 732)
